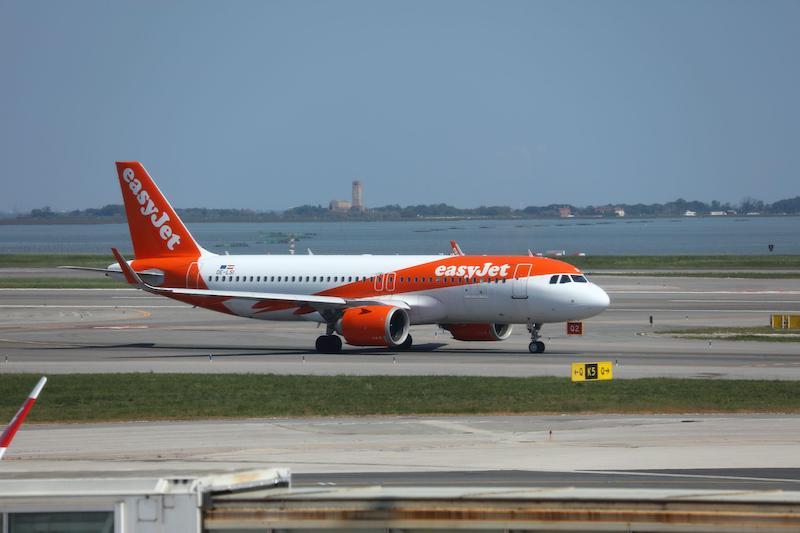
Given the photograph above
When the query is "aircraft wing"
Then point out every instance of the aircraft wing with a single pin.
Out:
(312, 300)
(19, 418)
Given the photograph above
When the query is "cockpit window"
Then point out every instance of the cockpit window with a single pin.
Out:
(553, 279)
(579, 279)
(565, 278)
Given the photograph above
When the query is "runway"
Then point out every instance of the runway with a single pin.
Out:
(747, 452)
(107, 330)
(51, 331)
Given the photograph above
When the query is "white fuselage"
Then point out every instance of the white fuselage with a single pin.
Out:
(431, 299)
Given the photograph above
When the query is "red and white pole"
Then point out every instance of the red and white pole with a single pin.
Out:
(16, 422)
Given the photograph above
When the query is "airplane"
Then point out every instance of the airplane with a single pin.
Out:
(363, 300)
(19, 418)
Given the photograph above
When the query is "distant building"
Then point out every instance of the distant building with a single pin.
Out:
(690, 213)
(564, 212)
(619, 212)
(718, 213)
(339, 206)
(358, 196)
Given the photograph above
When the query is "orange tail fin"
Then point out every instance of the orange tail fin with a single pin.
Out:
(156, 230)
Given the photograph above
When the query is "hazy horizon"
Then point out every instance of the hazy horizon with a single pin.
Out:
(272, 105)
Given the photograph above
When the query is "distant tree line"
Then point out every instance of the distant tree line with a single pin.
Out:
(116, 212)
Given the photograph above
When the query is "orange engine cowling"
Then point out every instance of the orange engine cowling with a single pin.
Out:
(374, 325)
(479, 332)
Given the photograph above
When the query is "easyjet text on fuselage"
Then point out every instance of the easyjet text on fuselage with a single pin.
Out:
(473, 271)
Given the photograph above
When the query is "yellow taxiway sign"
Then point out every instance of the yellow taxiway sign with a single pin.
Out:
(592, 371)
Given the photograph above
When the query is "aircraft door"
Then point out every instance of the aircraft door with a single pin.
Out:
(385, 282)
(519, 285)
(388, 282)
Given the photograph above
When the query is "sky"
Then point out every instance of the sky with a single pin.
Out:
(273, 104)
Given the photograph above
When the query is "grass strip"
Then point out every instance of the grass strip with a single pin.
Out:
(706, 274)
(55, 260)
(744, 333)
(101, 282)
(684, 261)
(118, 397)
(586, 262)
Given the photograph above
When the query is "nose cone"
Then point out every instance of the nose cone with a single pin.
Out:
(595, 300)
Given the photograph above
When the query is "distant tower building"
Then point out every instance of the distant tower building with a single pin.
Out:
(358, 196)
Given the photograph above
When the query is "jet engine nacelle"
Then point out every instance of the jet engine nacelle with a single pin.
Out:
(374, 325)
(479, 332)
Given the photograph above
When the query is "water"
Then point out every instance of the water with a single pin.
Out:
(712, 235)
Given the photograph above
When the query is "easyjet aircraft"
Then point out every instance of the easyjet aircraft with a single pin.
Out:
(367, 300)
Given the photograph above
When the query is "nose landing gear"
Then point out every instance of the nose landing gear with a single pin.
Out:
(536, 346)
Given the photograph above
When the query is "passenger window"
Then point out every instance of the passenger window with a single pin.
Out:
(217, 278)
(308, 279)
(272, 278)
(251, 278)
(237, 278)
(553, 279)
(578, 279)
(293, 278)
(335, 278)
(258, 278)
(565, 279)
(349, 279)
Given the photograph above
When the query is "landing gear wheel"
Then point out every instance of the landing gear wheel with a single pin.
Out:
(406, 345)
(536, 346)
(329, 344)
(336, 341)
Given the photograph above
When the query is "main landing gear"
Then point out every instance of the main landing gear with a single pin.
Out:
(329, 344)
(536, 346)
